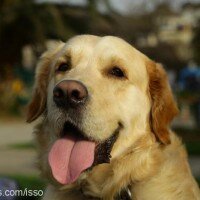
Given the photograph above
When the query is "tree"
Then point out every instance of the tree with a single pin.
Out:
(196, 43)
(24, 22)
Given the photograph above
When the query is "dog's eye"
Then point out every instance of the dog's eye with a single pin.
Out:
(116, 71)
(63, 67)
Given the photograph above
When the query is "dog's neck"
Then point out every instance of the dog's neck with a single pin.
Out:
(155, 166)
(103, 181)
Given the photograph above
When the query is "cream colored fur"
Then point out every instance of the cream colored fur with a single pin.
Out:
(147, 158)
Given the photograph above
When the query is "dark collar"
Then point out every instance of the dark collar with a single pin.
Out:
(124, 195)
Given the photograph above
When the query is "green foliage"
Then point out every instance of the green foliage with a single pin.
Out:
(25, 22)
(193, 148)
(23, 146)
(198, 180)
(191, 139)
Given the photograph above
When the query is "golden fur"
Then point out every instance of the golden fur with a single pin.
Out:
(147, 157)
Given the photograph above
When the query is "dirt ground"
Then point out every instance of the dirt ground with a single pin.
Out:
(13, 160)
(22, 161)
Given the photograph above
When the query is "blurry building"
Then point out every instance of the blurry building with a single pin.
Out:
(177, 28)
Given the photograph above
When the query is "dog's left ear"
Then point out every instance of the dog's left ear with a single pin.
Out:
(38, 102)
(163, 106)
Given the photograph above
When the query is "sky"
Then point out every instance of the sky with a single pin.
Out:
(126, 6)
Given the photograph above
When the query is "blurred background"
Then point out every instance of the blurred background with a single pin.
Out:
(168, 31)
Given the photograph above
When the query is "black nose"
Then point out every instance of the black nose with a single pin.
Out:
(70, 93)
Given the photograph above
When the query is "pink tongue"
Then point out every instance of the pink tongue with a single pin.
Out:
(69, 157)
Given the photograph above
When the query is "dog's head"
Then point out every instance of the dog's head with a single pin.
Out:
(94, 91)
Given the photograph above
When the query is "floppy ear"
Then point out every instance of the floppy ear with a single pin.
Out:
(38, 102)
(163, 106)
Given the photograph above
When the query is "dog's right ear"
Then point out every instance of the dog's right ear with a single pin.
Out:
(164, 107)
(38, 102)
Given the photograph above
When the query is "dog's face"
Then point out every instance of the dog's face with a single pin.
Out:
(100, 88)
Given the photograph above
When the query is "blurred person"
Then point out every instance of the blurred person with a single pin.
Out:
(189, 82)
(190, 77)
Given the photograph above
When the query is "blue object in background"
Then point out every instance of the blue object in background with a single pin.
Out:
(7, 184)
(190, 78)
(189, 81)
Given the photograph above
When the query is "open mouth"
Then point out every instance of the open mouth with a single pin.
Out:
(71, 129)
(74, 153)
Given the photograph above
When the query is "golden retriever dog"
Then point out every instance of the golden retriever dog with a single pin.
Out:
(104, 111)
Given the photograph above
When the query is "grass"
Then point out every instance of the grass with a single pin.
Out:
(23, 146)
(193, 148)
(191, 138)
(29, 182)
